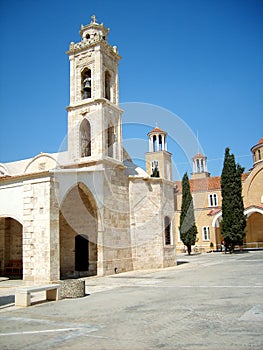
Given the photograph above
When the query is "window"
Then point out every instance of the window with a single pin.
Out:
(259, 155)
(206, 233)
(85, 140)
(155, 165)
(155, 168)
(86, 83)
(110, 140)
(167, 228)
(107, 85)
(213, 200)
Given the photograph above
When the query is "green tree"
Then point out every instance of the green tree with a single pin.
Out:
(233, 218)
(188, 229)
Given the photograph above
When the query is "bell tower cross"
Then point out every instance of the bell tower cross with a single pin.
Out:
(94, 116)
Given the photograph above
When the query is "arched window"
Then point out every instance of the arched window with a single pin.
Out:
(213, 200)
(110, 140)
(86, 83)
(107, 85)
(167, 230)
(85, 140)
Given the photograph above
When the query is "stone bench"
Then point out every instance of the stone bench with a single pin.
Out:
(23, 295)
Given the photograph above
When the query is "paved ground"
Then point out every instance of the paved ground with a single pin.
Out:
(209, 301)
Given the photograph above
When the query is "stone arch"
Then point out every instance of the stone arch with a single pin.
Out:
(85, 138)
(41, 162)
(254, 228)
(78, 217)
(11, 247)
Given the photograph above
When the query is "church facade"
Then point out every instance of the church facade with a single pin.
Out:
(206, 192)
(89, 210)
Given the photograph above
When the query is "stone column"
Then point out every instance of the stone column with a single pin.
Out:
(41, 232)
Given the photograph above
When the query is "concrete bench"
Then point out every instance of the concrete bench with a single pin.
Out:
(23, 295)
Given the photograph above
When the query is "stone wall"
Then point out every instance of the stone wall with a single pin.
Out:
(150, 201)
(116, 242)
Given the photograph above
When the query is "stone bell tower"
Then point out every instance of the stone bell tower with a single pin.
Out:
(158, 159)
(94, 116)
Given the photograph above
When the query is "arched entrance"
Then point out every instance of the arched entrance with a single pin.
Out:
(254, 229)
(78, 224)
(11, 251)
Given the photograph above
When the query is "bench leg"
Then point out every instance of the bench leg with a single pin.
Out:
(52, 294)
(22, 299)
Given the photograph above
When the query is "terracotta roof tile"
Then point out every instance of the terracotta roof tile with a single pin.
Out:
(206, 184)
(199, 155)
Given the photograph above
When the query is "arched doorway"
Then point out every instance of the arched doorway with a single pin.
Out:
(254, 229)
(78, 233)
(11, 251)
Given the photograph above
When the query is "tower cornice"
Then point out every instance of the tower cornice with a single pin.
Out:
(94, 102)
(82, 46)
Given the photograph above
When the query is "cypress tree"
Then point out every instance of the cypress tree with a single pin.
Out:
(188, 229)
(233, 218)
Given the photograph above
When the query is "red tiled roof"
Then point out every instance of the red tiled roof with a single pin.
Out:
(199, 155)
(157, 130)
(214, 211)
(260, 141)
(205, 184)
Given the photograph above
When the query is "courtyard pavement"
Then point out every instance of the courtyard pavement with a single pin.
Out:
(209, 301)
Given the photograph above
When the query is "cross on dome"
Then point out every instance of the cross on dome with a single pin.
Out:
(94, 19)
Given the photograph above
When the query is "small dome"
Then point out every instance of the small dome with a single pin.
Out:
(157, 130)
(199, 155)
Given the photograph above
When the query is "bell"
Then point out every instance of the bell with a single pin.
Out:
(87, 84)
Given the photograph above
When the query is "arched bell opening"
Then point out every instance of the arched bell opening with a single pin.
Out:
(86, 83)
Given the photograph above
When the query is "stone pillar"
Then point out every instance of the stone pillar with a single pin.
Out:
(41, 232)
(158, 143)
(2, 244)
(163, 143)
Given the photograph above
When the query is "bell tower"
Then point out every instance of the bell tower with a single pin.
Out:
(158, 159)
(94, 116)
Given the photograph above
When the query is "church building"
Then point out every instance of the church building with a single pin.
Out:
(206, 192)
(89, 210)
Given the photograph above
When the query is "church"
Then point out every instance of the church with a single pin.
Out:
(90, 210)
(206, 193)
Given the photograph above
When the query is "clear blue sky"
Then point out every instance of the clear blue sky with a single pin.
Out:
(200, 59)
